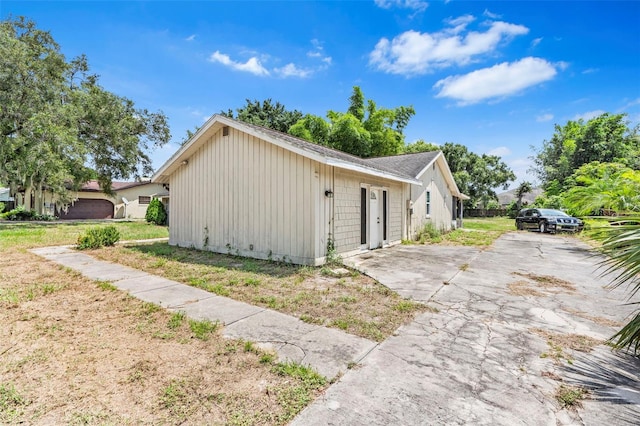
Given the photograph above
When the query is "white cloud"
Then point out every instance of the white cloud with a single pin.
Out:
(252, 65)
(417, 5)
(590, 70)
(586, 116)
(544, 117)
(505, 79)
(413, 53)
(190, 38)
(291, 70)
(500, 151)
(491, 15)
(318, 52)
(536, 41)
(633, 103)
(522, 169)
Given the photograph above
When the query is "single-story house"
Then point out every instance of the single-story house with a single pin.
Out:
(244, 189)
(130, 201)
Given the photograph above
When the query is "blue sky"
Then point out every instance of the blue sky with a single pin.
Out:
(494, 76)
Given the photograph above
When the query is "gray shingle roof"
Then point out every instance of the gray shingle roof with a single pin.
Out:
(406, 166)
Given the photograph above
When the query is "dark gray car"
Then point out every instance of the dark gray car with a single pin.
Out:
(547, 220)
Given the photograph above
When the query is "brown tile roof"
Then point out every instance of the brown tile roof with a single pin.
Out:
(94, 186)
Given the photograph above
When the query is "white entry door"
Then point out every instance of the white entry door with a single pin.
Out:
(375, 240)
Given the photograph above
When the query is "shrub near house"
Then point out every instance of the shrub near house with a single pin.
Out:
(156, 213)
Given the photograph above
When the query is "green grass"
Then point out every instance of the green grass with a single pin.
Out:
(489, 223)
(202, 329)
(294, 399)
(176, 320)
(475, 232)
(11, 403)
(29, 234)
(570, 396)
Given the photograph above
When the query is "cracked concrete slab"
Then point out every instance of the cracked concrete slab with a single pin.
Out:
(328, 351)
(479, 359)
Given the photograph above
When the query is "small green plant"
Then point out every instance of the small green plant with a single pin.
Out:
(570, 396)
(308, 375)
(176, 320)
(333, 258)
(430, 233)
(107, 286)
(405, 306)
(1, 207)
(156, 213)
(250, 347)
(267, 358)
(98, 237)
(202, 329)
(10, 403)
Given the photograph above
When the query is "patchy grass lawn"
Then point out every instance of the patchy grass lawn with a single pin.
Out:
(476, 232)
(356, 303)
(76, 351)
(21, 235)
(500, 223)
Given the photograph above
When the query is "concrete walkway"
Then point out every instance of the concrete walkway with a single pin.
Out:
(328, 351)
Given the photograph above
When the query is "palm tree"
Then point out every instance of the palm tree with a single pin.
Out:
(522, 189)
(622, 246)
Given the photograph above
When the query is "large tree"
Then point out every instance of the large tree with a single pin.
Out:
(364, 129)
(608, 186)
(606, 138)
(476, 175)
(58, 126)
(267, 114)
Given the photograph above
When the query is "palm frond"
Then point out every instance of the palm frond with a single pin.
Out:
(629, 336)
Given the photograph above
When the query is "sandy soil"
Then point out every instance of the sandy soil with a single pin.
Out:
(76, 352)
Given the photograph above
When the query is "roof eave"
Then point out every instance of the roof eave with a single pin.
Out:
(357, 168)
(210, 128)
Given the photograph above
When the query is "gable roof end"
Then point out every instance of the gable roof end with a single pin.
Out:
(319, 153)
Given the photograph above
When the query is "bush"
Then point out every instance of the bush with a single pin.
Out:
(156, 213)
(98, 237)
(429, 233)
(1, 207)
(20, 213)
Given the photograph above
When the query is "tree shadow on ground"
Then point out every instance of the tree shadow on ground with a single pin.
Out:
(611, 377)
(228, 261)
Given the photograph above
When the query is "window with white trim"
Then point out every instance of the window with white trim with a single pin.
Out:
(427, 196)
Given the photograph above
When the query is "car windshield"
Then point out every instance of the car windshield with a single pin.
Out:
(549, 212)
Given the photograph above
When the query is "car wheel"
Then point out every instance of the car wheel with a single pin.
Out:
(520, 226)
(542, 227)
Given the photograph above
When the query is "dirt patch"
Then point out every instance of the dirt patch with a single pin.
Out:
(539, 285)
(523, 288)
(355, 303)
(598, 320)
(559, 343)
(549, 282)
(76, 352)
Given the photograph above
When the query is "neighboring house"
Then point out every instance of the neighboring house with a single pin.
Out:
(130, 201)
(244, 189)
(6, 199)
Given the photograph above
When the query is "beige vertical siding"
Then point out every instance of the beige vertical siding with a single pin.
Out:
(441, 199)
(347, 209)
(242, 195)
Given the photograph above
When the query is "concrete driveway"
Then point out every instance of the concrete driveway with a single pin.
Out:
(497, 346)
